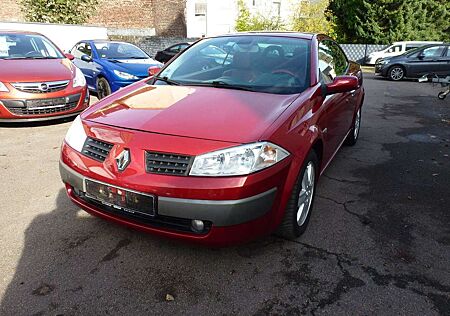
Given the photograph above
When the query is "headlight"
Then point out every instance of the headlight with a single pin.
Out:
(76, 136)
(240, 160)
(3, 88)
(125, 75)
(384, 62)
(79, 80)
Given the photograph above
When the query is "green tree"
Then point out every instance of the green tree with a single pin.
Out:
(386, 21)
(312, 17)
(256, 22)
(58, 11)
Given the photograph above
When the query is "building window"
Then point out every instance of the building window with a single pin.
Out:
(200, 8)
(277, 7)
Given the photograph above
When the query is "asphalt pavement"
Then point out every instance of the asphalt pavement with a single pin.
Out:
(378, 242)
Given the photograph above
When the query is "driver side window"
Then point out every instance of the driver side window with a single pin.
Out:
(81, 49)
(174, 49)
(435, 51)
(395, 49)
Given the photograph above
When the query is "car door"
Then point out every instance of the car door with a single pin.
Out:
(445, 63)
(338, 107)
(87, 67)
(426, 61)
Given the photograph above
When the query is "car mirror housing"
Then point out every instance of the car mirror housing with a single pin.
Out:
(342, 84)
(86, 58)
(69, 56)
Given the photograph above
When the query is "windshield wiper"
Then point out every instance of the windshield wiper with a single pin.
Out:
(167, 80)
(221, 84)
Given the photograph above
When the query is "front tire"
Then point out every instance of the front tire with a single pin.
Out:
(103, 88)
(298, 209)
(396, 73)
(352, 137)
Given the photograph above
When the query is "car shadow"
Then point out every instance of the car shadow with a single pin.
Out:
(73, 263)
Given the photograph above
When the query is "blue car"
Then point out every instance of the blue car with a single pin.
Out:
(109, 66)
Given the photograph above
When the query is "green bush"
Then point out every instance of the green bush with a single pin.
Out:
(58, 11)
(387, 21)
(248, 22)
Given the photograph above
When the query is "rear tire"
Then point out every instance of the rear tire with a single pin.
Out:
(352, 137)
(103, 88)
(300, 204)
(396, 73)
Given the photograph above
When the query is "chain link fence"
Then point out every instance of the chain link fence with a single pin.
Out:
(359, 52)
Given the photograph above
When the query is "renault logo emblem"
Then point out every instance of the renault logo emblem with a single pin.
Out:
(123, 160)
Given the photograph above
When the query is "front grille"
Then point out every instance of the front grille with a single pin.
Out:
(41, 87)
(42, 106)
(158, 221)
(164, 163)
(96, 149)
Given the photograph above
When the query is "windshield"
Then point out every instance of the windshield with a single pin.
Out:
(115, 50)
(27, 46)
(269, 64)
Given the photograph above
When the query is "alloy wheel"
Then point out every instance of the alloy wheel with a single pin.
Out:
(103, 89)
(306, 193)
(397, 73)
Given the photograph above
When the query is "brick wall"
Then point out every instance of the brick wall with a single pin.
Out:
(152, 44)
(167, 17)
(10, 11)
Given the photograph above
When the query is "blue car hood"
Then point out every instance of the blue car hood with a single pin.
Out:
(137, 67)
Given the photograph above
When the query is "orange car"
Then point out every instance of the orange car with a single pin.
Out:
(37, 81)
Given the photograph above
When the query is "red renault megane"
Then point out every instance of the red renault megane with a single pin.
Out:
(218, 148)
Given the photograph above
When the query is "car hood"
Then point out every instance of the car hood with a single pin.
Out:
(198, 112)
(32, 70)
(137, 67)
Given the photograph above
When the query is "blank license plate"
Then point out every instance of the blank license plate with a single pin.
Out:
(121, 199)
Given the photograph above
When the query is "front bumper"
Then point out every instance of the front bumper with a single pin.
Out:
(381, 69)
(218, 212)
(16, 106)
(119, 84)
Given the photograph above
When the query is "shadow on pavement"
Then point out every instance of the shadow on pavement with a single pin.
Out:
(73, 263)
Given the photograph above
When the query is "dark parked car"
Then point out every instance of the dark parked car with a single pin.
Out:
(415, 63)
(165, 55)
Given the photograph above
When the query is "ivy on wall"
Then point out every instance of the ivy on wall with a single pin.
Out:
(58, 11)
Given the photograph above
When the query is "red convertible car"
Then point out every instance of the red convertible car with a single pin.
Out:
(37, 81)
(223, 153)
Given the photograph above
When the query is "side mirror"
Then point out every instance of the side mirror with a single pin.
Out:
(421, 56)
(69, 56)
(341, 84)
(86, 58)
(153, 70)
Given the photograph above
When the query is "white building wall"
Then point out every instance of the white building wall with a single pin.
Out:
(221, 15)
(63, 35)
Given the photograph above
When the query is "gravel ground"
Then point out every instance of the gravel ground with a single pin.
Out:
(378, 240)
